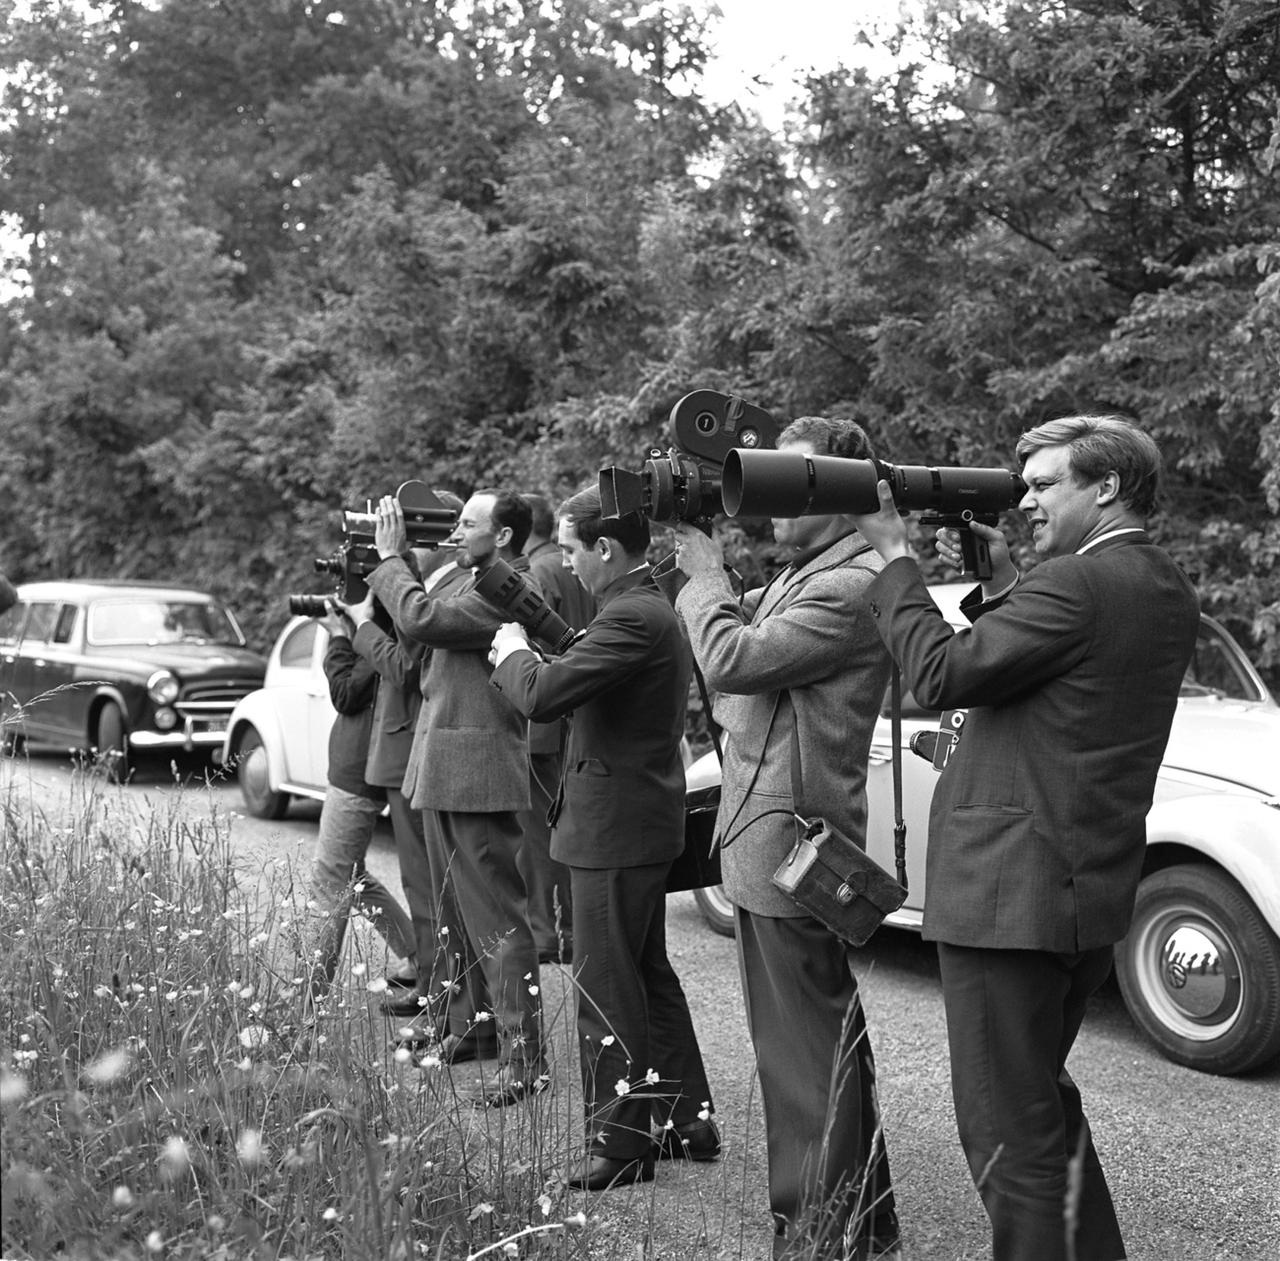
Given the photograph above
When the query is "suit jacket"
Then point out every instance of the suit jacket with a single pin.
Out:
(395, 709)
(470, 754)
(1038, 824)
(810, 634)
(563, 592)
(626, 683)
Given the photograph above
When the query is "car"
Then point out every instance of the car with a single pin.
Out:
(121, 668)
(277, 738)
(1200, 968)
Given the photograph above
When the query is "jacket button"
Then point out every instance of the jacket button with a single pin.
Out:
(875, 609)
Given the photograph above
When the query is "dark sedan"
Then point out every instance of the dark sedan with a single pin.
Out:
(120, 668)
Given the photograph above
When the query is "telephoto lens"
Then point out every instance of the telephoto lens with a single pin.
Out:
(308, 605)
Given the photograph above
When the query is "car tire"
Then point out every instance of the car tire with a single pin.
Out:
(716, 909)
(1225, 1020)
(253, 774)
(112, 742)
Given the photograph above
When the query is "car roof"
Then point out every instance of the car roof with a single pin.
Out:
(83, 589)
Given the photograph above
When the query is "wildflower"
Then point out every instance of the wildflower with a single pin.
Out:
(121, 1198)
(215, 1222)
(482, 1016)
(429, 1061)
(533, 989)
(12, 1088)
(102, 991)
(155, 1242)
(249, 1148)
(175, 1159)
(108, 1066)
(330, 1214)
(247, 992)
(253, 1035)
(607, 1040)
(623, 1087)
(359, 969)
(483, 1209)
(403, 1055)
(652, 1077)
(378, 985)
(171, 996)
(544, 1204)
(576, 1222)
(705, 1114)
(245, 1065)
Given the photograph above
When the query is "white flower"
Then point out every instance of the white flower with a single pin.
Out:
(245, 1065)
(403, 1055)
(102, 991)
(533, 989)
(155, 1242)
(359, 969)
(652, 1077)
(247, 992)
(249, 1148)
(544, 1204)
(482, 1016)
(577, 1221)
(330, 1214)
(12, 1087)
(623, 1087)
(378, 985)
(108, 1066)
(175, 1159)
(705, 1114)
(607, 1040)
(122, 1198)
(253, 1035)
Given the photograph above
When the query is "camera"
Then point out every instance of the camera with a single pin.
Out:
(516, 596)
(795, 484)
(684, 484)
(428, 523)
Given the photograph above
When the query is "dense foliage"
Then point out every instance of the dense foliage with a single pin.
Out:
(278, 257)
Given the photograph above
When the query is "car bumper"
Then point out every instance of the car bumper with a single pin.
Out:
(194, 734)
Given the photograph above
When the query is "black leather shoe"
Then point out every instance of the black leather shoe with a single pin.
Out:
(402, 1002)
(507, 1087)
(598, 1173)
(696, 1140)
(459, 1048)
(404, 981)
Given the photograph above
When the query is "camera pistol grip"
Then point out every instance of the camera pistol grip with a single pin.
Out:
(975, 552)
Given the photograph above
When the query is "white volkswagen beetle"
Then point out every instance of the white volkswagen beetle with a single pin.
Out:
(1200, 968)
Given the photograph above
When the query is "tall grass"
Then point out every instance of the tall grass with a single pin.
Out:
(153, 1100)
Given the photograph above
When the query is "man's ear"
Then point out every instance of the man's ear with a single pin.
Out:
(604, 548)
(1109, 488)
(502, 537)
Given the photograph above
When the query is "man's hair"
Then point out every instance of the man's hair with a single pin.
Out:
(449, 499)
(586, 514)
(544, 522)
(830, 436)
(510, 509)
(1098, 445)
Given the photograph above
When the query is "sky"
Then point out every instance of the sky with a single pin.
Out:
(781, 40)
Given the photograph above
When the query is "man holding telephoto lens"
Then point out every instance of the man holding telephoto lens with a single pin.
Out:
(799, 675)
(1037, 827)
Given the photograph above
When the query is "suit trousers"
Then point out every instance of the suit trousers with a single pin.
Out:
(633, 1019)
(460, 977)
(420, 892)
(829, 1174)
(339, 882)
(546, 880)
(482, 851)
(1012, 1017)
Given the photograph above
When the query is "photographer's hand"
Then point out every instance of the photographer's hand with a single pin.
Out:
(885, 530)
(335, 621)
(1004, 573)
(697, 554)
(508, 638)
(390, 536)
(359, 613)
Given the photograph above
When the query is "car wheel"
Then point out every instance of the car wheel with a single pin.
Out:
(1200, 971)
(113, 743)
(716, 909)
(254, 775)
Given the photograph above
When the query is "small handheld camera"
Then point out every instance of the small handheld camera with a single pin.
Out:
(684, 483)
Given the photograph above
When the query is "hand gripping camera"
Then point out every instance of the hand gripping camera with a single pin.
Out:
(516, 596)
(794, 484)
(428, 523)
(684, 483)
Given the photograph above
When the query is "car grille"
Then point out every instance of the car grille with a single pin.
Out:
(215, 696)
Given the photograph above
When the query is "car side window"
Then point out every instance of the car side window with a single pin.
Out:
(296, 650)
(40, 622)
(11, 623)
(62, 632)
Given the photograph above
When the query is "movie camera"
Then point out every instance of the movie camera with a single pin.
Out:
(428, 523)
(683, 484)
(516, 596)
(795, 484)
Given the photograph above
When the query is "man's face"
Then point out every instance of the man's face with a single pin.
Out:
(1063, 511)
(801, 533)
(474, 533)
(586, 562)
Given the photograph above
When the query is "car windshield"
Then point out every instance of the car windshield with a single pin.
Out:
(147, 621)
(1219, 668)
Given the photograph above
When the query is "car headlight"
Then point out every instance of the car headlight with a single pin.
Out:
(166, 719)
(162, 687)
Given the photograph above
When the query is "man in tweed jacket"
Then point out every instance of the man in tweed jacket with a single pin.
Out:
(800, 656)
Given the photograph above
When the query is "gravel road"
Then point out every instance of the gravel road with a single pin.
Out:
(1193, 1160)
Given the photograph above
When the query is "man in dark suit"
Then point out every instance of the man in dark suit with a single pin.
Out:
(469, 772)
(550, 900)
(620, 825)
(1037, 828)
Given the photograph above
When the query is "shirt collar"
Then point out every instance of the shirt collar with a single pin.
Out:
(1110, 534)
